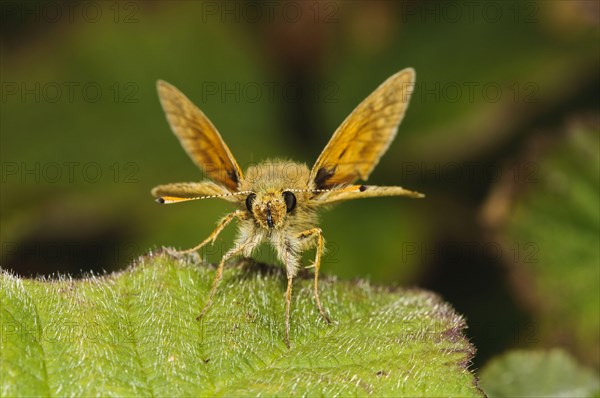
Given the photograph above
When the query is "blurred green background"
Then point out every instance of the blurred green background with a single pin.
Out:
(501, 135)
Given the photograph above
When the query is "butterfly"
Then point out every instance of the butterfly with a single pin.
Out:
(277, 201)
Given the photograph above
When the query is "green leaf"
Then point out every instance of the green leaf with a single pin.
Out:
(538, 374)
(134, 334)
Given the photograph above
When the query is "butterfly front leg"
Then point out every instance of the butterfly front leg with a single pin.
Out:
(213, 236)
(243, 246)
(317, 233)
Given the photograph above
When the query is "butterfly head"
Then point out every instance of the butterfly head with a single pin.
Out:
(271, 208)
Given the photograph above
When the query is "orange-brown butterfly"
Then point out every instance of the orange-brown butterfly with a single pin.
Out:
(277, 201)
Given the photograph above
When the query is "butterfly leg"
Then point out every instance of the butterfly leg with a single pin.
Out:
(318, 233)
(288, 304)
(232, 252)
(213, 236)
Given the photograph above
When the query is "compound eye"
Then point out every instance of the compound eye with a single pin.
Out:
(249, 201)
(290, 200)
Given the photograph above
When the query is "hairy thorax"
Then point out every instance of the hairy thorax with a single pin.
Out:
(276, 175)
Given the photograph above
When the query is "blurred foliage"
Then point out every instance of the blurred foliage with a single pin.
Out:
(555, 214)
(134, 334)
(490, 75)
(538, 374)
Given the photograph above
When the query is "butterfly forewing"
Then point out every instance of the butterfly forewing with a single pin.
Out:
(365, 135)
(199, 137)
